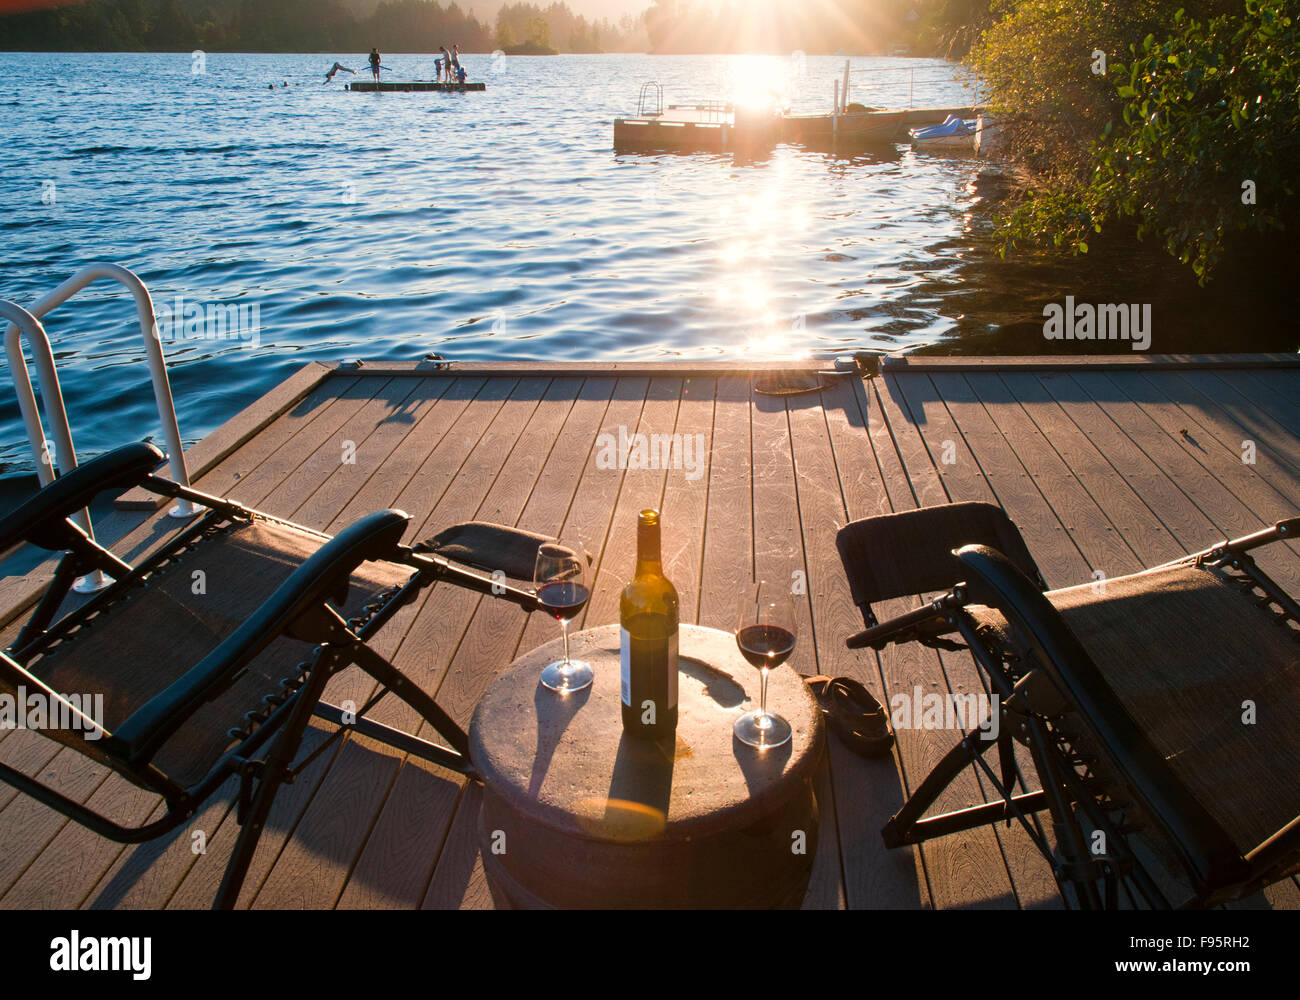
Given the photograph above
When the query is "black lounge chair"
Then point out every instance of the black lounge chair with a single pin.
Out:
(213, 652)
(1133, 696)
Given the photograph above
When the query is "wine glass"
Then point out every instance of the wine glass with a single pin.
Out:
(561, 578)
(765, 633)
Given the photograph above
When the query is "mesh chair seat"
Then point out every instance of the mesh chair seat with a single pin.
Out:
(1185, 648)
(155, 633)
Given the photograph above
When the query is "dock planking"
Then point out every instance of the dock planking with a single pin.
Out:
(1104, 467)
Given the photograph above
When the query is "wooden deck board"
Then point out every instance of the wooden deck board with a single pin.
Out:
(956, 673)
(1238, 414)
(1090, 460)
(1224, 488)
(868, 792)
(822, 508)
(727, 557)
(144, 877)
(198, 888)
(30, 827)
(1031, 878)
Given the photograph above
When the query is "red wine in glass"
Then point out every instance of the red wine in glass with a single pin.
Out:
(563, 601)
(561, 577)
(765, 646)
(765, 636)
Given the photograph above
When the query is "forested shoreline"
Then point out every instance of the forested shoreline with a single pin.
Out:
(850, 27)
(306, 26)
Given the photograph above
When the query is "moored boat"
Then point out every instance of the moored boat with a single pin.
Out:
(953, 135)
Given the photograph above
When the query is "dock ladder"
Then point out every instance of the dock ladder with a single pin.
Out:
(59, 454)
(652, 95)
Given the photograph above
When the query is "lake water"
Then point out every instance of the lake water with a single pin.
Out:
(489, 226)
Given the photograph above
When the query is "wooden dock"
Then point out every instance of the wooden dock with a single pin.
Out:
(1112, 464)
(409, 86)
(714, 126)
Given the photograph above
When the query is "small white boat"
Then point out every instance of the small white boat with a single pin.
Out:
(954, 134)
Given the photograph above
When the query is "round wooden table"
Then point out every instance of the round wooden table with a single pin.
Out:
(577, 814)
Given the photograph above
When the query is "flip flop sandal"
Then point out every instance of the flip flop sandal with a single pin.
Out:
(854, 715)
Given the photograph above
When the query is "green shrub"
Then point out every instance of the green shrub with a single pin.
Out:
(1166, 138)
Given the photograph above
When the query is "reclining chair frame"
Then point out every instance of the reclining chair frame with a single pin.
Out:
(1033, 692)
(298, 609)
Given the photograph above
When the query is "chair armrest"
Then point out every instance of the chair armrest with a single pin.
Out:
(1205, 847)
(905, 628)
(42, 520)
(375, 536)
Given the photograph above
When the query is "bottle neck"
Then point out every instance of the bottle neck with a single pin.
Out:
(648, 560)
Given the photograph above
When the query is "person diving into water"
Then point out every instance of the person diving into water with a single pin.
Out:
(338, 68)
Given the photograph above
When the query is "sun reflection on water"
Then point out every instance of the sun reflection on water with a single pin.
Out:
(763, 212)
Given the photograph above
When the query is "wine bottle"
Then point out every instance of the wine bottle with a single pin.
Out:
(648, 647)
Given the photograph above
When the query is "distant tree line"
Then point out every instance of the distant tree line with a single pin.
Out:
(556, 27)
(301, 26)
(925, 27)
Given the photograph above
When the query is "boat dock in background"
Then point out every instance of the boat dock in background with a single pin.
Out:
(721, 125)
(405, 86)
(706, 125)
(714, 125)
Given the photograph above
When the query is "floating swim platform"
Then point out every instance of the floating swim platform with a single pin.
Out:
(707, 125)
(405, 86)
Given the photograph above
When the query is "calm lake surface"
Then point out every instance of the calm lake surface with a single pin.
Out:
(498, 225)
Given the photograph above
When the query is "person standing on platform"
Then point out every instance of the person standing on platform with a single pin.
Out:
(374, 63)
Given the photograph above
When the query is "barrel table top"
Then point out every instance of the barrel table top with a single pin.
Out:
(565, 762)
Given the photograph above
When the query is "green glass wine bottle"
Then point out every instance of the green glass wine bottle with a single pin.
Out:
(648, 613)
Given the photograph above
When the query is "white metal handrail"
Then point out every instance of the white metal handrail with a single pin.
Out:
(27, 322)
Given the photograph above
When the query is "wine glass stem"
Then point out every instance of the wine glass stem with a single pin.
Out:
(564, 629)
(762, 698)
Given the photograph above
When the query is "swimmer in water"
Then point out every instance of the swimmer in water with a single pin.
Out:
(338, 68)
